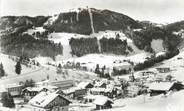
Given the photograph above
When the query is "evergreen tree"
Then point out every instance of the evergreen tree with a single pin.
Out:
(102, 73)
(18, 68)
(97, 70)
(59, 66)
(7, 100)
(29, 83)
(2, 72)
(168, 78)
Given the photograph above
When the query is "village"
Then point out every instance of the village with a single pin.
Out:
(91, 59)
(96, 94)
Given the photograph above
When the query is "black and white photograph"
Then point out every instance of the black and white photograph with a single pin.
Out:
(91, 55)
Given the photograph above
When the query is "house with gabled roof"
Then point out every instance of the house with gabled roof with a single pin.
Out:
(103, 102)
(164, 87)
(49, 101)
(30, 92)
(85, 85)
(75, 92)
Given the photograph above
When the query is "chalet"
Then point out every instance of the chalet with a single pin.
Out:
(163, 70)
(85, 85)
(103, 91)
(75, 92)
(100, 84)
(30, 92)
(14, 89)
(45, 101)
(97, 91)
(164, 87)
(103, 102)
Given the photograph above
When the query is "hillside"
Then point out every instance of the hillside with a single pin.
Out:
(38, 73)
(89, 20)
(83, 31)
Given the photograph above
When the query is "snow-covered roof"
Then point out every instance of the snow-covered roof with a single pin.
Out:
(43, 99)
(83, 85)
(101, 100)
(137, 30)
(98, 89)
(109, 88)
(163, 86)
(98, 83)
(13, 85)
(160, 53)
(70, 90)
(38, 89)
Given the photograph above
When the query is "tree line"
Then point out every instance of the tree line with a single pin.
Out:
(27, 45)
(143, 38)
(114, 46)
(151, 61)
(83, 46)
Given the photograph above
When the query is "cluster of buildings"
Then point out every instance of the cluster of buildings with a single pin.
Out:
(59, 95)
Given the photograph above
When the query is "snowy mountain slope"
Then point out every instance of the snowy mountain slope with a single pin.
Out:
(39, 73)
(91, 60)
(64, 39)
(177, 66)
(88, 21)
(9, 66)
(85, 20)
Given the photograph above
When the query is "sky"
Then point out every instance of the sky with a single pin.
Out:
(159, 11)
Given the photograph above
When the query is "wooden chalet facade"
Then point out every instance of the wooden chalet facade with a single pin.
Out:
(75, 93)
(103, 103)
(29, 92)
(45, 101)
(14, 89)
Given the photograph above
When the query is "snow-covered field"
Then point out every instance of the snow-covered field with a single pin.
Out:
(64, 39)
(9, 66)
(91, 60)
(39, 73)
(171, 102)
(177, 66)
(36, 29)
(157, 45)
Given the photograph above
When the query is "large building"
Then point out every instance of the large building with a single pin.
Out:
(14, 89)
(47, 101)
